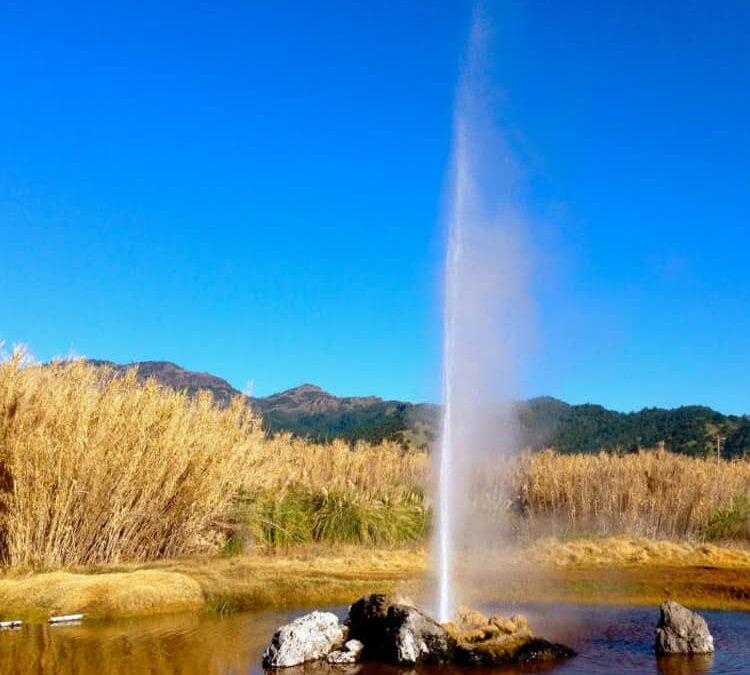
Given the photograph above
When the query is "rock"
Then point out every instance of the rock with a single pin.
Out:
(537, 650)
(351, 652)
(413, 637)
(307, 638)
(516, 624)
(500, 640)
(397, 633)
(468, 619)
(379, 629)
(681, 631)
(367, 623)
(488, 653)
(514, 650)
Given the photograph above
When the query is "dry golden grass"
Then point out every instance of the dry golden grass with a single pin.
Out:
(306, 576)
(297, 492)
(99, 468)
(651, 494)
(284, 462)
(136, 593)
(623, 551)
(312, 576)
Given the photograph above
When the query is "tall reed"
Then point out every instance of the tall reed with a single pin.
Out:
(97, 467)
(651, 493)
(101, 467)
(296, 492)
(284, 462)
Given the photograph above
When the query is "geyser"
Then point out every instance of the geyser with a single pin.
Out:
(485, 318)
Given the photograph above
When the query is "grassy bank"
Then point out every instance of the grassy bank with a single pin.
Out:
(629, 571)
(610, 571)
(305, 576)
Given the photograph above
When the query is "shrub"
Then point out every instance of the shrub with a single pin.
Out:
(731, 523)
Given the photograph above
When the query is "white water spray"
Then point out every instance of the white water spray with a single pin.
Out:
(485, 313)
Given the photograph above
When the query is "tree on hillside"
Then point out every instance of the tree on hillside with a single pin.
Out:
(738, 442)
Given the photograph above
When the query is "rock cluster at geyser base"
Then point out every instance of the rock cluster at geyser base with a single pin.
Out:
(379, 629)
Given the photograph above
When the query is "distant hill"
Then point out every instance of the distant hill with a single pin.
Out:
(176, 377)
(306, 410)
(690, 430)
(310, 411)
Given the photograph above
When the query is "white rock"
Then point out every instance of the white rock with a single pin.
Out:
(351, 652)
(307, 638)
(416, 638)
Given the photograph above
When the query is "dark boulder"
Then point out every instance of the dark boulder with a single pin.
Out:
(396, 633)
(511, 651)
(467, 654)
(367, 623)
(537, 650)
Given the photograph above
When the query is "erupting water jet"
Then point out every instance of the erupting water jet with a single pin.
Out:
(485, 314)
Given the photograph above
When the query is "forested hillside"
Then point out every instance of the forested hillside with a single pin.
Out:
(545, 422)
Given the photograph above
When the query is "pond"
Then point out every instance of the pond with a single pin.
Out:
(609, 640)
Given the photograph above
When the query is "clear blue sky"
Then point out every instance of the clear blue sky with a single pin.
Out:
(254, 190)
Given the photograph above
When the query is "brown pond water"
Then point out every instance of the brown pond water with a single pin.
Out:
(609, 639)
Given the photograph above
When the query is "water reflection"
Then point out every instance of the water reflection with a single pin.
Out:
(610, 640)
(385, 669)
(684, 665)
(160, 646)
(321, 668)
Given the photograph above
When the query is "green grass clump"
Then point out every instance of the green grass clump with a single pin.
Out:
(731, 523)
(338, 516)
(287, 520)
(279, 520)
(345, 517)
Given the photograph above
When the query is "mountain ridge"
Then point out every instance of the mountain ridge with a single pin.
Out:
(309, 410)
